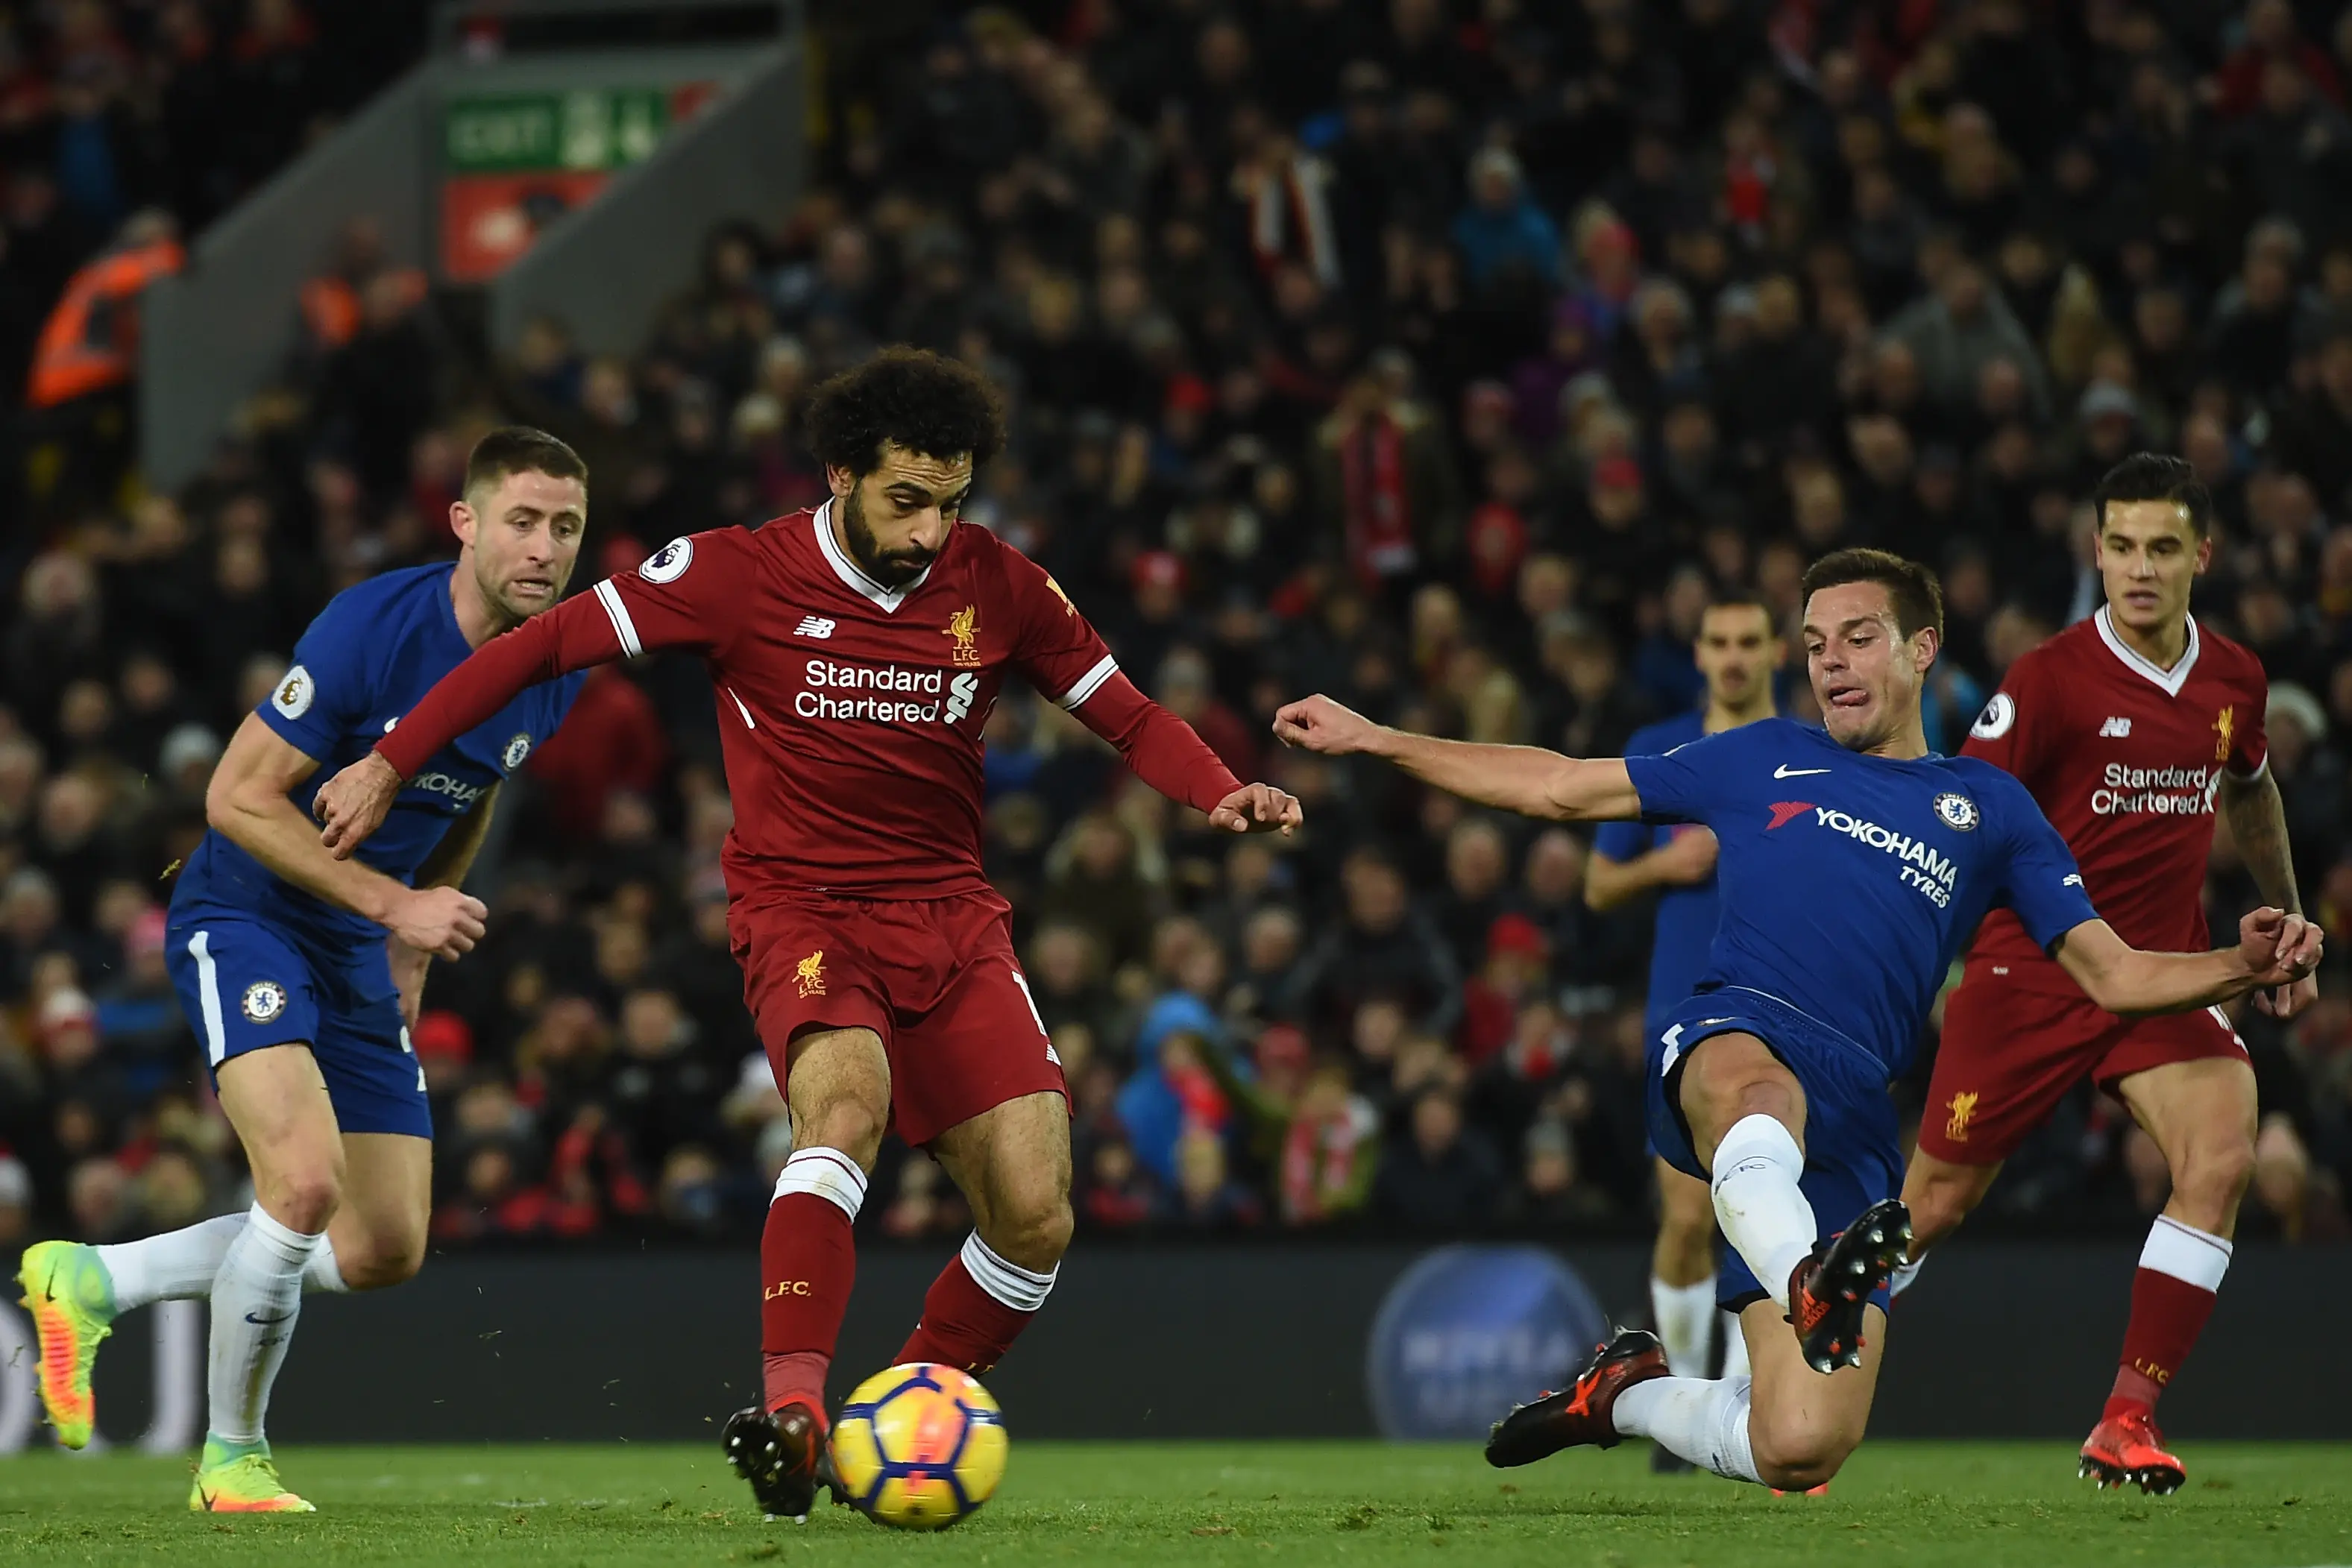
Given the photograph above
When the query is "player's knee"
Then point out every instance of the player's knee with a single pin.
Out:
(1801, 1474)
(2214, 1175)
(381, 1263)
(1034, 1234)
(846, 1123)
(304, 1198)
(1794, 1454)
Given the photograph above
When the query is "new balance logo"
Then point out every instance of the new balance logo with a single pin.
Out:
(2116, 729)
(815, 626)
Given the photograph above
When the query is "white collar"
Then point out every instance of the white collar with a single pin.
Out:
(2171, 680)
(889, 599)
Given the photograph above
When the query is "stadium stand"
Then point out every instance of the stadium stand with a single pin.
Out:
(1441, 356)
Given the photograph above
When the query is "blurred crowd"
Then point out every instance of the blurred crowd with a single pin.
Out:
(166, 112)
(1444, 355)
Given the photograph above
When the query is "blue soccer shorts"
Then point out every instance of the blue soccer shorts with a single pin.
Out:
(247, 985)
(1853, 1155)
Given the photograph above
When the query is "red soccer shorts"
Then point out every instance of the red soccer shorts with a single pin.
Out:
(936, 978)
(2010, 1053)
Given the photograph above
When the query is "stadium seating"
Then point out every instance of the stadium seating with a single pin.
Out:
(1441, 357)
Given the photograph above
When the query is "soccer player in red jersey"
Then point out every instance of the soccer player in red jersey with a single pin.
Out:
(2131, 729)
(856, 651)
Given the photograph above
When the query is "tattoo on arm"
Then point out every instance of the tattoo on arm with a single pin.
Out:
(2258, 822)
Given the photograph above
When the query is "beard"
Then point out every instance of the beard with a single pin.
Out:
(891, 568)
(514, 608)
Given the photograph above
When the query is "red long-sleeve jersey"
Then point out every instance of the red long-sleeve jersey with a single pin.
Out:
(2124, 760)
(850, 713)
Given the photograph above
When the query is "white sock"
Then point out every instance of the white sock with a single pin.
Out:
(175, 1266)
(1022, 1289)
(322, 1276)
(1703, 1419)
(1900, 1280)
(1684, 1313)
(1763, 1212)
(256, 1299)
(181, 1265)
(827, 1174)
(2187, 1253)
(1735, 1347)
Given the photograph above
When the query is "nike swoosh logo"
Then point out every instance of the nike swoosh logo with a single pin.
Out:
(1785, 771)
(208, 1501)
(266, 1323)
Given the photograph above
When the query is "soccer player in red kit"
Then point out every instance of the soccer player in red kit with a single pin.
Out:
(856, 651)
(2131, 729)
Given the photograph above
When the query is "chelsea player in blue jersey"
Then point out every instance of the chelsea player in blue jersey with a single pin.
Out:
(301, 973)
(1737, 650)
(1853, 863)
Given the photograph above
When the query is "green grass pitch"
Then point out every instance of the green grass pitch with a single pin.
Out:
(1358, 1504)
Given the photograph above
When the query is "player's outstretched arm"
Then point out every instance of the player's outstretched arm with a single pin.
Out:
(1169, 755)
(2274, 948)
(1522, 778)
(577, 633)
(247, 803)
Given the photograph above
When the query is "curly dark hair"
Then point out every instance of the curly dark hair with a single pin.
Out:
(910, 398)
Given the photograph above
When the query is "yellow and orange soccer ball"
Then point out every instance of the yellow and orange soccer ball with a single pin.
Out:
(919, 1447)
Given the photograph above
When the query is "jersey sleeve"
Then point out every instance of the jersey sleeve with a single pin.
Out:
(630, 613)
(2013, 730)
(1690, 783)
(1067, 661)
(2250, 736)
(692, 594)
(1055, 646)
(2040, 880)
(329, 689)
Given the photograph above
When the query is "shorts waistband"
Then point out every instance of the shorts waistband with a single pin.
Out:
(1831, 1032)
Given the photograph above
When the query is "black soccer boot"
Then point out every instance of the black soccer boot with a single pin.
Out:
(784, 1455)
(1577, 1414)
(1828, 1291)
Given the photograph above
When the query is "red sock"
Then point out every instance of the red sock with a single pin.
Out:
(808, 1261)
(975, 1310)
(2173, 1292)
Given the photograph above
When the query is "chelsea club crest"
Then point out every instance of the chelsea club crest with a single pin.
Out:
(264, 1001)
(1956, 811)
(517, 749)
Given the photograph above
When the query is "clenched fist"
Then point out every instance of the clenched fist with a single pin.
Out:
(1319, 724)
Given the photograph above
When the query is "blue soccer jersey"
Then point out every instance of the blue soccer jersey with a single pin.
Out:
(1849, 882)
(371, 654)
(1686, 914)
(257, 961)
